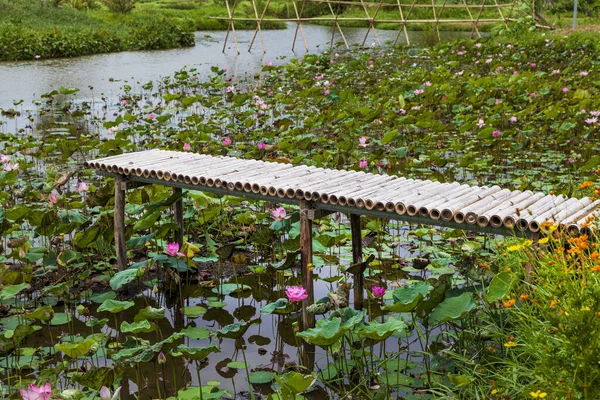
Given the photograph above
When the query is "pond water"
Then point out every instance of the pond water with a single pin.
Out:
(106, 73)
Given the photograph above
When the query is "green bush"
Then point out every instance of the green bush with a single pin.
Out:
(121, 6)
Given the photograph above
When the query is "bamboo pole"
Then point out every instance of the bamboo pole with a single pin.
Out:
(119, 222)
(537, 209)
(501, 15)
(433, 201)
(371, 22)
(447, 213)
(178, 216)
(113, 165)
(359, 277)
(332, 195)
(403, 26)
(461, 215)
(499, 215)
(534, 226)
(510, 220)
(258, 28)
(95, 164)
(471, 16)
(391, 21)
(483, 219)
(403, 193)
(308, 320)
(571, 222)
(478, 17)
(339, 28)
(299, 25)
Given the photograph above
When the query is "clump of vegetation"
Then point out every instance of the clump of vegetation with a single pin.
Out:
(121, 6)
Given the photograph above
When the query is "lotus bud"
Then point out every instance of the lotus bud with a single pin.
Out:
(162, 359)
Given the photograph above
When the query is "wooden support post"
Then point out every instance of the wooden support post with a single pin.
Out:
(178, 211)
(120, 246)
(308, 321)
(359, 278)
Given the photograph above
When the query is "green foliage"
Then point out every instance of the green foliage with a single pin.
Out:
(120, 6)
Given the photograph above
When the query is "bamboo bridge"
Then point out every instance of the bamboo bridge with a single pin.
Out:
(321, 191)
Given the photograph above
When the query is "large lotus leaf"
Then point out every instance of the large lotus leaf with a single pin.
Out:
(406, 298)
(294, 383)
(208, 393)
(194, 311)
(396, 379)
(499, 286)
(61, 319)
(196, 333)
(115, 306)
(451, 309)
(11, 338)
(11, 291)
(95, 378)
(198, 353)
(261, 377)
(228, 288)
(325, 333)
(281, 306)
(42, 313)
(150, 313)
(137, 327)
(122, 278)
(350, 317)
(101, 297)
(436, 296)
(237, 329)
(377, 331)
(76, 349)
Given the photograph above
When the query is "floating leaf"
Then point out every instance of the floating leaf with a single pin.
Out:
(381, 331)
(115, 306)
(261, 377)
(198, 353)
(194, 311)
(280, 306)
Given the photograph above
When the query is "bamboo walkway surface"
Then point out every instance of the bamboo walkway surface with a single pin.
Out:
(319, 191)
(479, 208)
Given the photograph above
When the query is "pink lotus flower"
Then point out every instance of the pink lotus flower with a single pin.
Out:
(556, 71)
(82, 187)
(326, 92)
(565, 90)
(296, 293)
(123, 102)
(497, 101)
(52, 199)
(4, 158)
(571, 160)
(480, 123)
(112, 130)
(11, 167)
(533, 65)
(427, 84)
(270, 64)
(515, 72)
(37, 393)
(261, 146)
(278, 214)
(230, 89)
(513, 119)
(187, 147)
(532, 95)
(583, 73)
(362, 164)
(173, 250)
(496, 133)
(106, 395)
(151, 116)
(227, 141)
(378, 291)
(418, 92)
(362, 142)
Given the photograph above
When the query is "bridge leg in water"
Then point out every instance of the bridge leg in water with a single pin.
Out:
(120, 246)
(178, 211)
(308, 321)
(359, 278)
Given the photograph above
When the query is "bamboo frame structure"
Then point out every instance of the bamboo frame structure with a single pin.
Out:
(504, 11)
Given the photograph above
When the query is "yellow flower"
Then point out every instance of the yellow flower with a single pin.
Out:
(538, 394)
(543, 240)
(515, 247)
(585, 308)
(510, 344)
(494, 391)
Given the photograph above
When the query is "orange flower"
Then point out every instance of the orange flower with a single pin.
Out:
(553, 303)
(595, 269)
(595, 255)
(509, 303)
(524, 296)
(586, 184)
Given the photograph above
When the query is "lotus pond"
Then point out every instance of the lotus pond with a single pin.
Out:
(212, 319)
